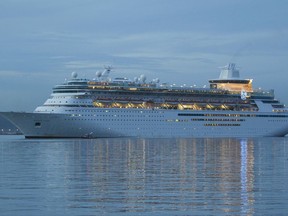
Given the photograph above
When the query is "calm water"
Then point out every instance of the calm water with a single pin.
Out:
(143, 176)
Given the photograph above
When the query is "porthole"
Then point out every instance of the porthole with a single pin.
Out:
(37, 124)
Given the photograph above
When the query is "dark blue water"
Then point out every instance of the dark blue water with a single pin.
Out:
(144, 176)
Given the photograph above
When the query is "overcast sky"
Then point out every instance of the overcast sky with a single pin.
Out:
(178, 41)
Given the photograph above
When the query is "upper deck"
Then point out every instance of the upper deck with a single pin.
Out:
(229, 84)
(229, 92)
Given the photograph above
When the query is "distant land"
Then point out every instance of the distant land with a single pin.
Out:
(7, 128)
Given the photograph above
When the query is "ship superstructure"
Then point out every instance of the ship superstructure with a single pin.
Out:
(120, 107)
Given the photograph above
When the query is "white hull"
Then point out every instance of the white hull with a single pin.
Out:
(113, 122)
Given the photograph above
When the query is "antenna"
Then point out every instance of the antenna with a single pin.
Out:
(106, 72)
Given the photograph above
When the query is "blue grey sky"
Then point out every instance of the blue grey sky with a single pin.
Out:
(178, 41)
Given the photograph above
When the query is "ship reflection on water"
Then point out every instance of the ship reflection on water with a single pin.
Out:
(170, 174)
(145, 176)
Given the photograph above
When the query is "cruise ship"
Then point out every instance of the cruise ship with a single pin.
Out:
(121, 107)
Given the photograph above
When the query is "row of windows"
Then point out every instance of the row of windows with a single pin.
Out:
(148, 120)
(225, 125)
(278, 120)
(233, 115)
(117, 111)
(37, 124)
(109, 119)
(146, 115)
(50, 105)
(177, 120)
(198, 119)
(74, 102)
(111, 116)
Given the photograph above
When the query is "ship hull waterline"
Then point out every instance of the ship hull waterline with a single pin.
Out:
(112, 123)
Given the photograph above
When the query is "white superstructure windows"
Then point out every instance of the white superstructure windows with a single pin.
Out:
(71, 100)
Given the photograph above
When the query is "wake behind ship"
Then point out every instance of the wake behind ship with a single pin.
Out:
(120, 107)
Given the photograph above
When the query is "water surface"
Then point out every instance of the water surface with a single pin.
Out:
(143, 176)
